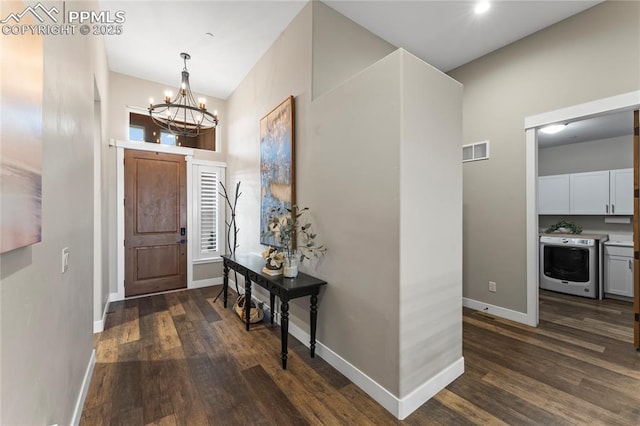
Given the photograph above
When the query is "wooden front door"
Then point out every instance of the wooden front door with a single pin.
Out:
(155, 222)
(636, 228)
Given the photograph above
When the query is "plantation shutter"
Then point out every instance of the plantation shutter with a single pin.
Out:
(208, 212)
(208, 217)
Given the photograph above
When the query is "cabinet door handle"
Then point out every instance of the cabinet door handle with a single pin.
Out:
(630, 264)
(606, 208)
(613, 209)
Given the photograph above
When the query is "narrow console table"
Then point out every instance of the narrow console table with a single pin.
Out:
(250, 267)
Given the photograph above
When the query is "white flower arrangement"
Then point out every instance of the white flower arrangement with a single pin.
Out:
(273, 257)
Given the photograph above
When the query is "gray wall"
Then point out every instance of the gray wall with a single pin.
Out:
(205, 271)
(430, 223)
(46, 316)
(341, 49)
(602, 154)
(589, 56)
(340, 151)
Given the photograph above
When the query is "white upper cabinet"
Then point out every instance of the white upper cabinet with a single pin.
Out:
(607, 192)
(589, 193)
(621, 191)
(553, 194)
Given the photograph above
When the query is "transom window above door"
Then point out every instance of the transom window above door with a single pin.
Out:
(143, 129)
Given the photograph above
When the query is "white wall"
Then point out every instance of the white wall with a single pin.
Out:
(47, 317)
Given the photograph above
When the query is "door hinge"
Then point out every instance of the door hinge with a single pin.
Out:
(637, 317)
(636, 193)
(636, 254)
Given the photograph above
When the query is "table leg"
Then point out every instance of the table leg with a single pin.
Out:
(272, 299)
(225, 283)
(247, 301)
(284, 331)
(313, 313)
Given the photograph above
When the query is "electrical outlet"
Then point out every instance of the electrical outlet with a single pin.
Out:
(65, 259)
(492, 286)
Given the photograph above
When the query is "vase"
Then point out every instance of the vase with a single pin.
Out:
(290, 269)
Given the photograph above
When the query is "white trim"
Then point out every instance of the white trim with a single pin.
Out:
(399, 407)
(611, 104)
(98, 326)
(120, 147)
(376, 391)
(220, 164)
(205, 261)
(189, 221)
(532, 226)
(428, 389)
(120, 221)
(495, 310)
(205, 283)
(625, 101)
(153, 147)
(86, 381)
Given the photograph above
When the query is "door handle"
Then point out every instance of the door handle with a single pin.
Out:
(630, 264)
(606, 208)
(613, 208)
(182, 241)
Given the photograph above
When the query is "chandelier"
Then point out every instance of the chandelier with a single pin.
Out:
(182, 116)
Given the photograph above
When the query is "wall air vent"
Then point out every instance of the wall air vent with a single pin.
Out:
(475, 151)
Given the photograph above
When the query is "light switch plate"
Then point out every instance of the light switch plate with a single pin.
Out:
(65, 259)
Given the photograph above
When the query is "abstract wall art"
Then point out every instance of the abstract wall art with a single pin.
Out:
(277, 165)
(21, 88)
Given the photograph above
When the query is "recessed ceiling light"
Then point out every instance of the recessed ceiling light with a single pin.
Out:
(482, 7)
(552, 129)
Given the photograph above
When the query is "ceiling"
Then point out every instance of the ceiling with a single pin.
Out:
(601, 127)
(226, 38)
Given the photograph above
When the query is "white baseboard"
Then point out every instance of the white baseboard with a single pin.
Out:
(98, 326)
(428, 389)
(400, 408)
(86, 381)
(496, 310)
(205, 283)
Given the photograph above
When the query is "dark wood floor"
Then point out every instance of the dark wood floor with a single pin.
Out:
(179, 359)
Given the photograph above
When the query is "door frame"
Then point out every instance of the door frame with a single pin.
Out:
(142, 146)
(624, 102)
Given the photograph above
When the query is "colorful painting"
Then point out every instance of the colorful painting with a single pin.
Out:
(21, 86)
(277, 177)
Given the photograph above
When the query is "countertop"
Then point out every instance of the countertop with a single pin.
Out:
(622, 240)
(587, 236)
